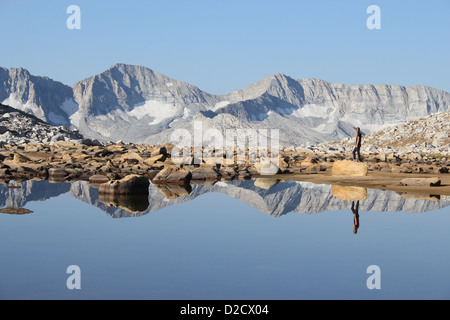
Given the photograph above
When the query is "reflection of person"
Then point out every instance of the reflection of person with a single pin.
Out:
(355, 216)
(357, 145)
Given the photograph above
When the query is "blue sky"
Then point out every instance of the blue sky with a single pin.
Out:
(221, 46)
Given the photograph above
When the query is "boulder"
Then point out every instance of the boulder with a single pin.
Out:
(425, 182)
(228, 173)
(67, 158)
(90, 142)
(401, 169)
(212, 160)
(441, 170)
(159, 150)
(37, 156)
(308, 161)
(267, 167)
(64, 145)
(172, 174)
(108, 167)
(154, 159)
(317, 167)
(18, 158)
(131, 184)
(132, 156)
(349, 168)
(169, 147)
(205, 173)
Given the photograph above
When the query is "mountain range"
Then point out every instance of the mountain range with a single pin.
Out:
(136, 104)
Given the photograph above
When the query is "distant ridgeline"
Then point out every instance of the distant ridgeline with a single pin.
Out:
(135, 104)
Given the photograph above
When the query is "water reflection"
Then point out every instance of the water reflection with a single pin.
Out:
(355, 210)
(270, 196)
(171, 191)
(417, 196)
(265, 183)
(132, 203)
(349, 192)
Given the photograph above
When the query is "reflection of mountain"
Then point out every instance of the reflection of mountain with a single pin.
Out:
(31, 191)
(300, 197)
(281, 198)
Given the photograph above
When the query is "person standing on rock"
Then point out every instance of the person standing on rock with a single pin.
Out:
(356, 149)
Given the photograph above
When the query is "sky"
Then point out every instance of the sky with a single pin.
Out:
(221, 46)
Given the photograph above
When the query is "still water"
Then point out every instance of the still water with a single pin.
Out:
(237, 240)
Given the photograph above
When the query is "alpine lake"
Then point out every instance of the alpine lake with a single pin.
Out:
(245, 239)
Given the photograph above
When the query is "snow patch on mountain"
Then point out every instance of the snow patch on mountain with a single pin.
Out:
(157, 111)
(154, 109)
(27, 106)
(313, 110)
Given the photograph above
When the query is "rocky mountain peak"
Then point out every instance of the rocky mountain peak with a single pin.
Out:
(136, 104)
(19, 73)
(40, 96)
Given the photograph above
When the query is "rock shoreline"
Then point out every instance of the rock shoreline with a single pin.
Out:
(103, 163)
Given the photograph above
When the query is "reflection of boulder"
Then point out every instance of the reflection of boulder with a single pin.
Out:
(129, 202)
(265, 183)
(349, 168)
(349, 192)
(15, 210)
(171, 191)
(96, 180)
(203, 182)
(418, 196)
(57, 174)
(57, 180)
